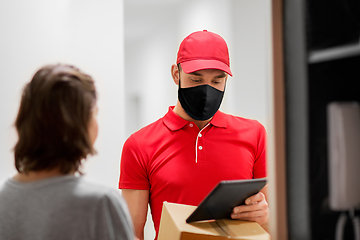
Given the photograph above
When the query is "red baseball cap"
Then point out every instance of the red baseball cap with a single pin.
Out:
(203, 50)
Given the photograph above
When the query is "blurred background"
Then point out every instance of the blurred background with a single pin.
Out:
(128, 47)
(87, 34)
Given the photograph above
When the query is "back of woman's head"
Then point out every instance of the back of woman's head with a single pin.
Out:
(52, 122)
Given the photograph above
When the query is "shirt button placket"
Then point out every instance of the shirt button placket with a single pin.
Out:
(200, 154)
(200, 147)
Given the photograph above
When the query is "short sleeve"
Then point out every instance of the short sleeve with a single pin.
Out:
(260, 167)
(133, 166)
(112, 220)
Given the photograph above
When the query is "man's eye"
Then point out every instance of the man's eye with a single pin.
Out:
(195, 80)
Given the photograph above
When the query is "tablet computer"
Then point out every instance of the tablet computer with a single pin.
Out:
(219, 203)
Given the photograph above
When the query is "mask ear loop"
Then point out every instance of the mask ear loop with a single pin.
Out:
(178, 65)
(225, 82)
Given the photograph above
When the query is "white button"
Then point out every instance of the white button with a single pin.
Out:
(200, 135)
(191, 125)
(200, 147)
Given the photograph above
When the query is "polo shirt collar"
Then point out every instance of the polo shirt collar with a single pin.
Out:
(219, 119)
(175, 122)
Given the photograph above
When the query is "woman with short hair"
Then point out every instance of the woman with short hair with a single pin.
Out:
(57, 127)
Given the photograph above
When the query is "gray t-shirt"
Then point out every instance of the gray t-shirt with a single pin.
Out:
(65, 207)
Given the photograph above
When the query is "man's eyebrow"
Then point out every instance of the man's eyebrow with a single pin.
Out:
(196, 74)
(222, 75)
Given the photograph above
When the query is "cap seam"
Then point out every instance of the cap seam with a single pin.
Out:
(191, 59)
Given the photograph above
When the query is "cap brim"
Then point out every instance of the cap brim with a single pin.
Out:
(197, 65)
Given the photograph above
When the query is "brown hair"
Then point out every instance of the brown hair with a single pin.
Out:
(53, 118)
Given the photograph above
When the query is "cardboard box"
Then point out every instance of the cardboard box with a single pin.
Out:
(173, 226)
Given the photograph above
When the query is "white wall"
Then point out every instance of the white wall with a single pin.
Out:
(153, 32)
(87, 34)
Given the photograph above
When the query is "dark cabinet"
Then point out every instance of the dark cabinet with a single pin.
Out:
(322, 64)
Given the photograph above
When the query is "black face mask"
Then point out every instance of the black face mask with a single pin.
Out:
(200, 102)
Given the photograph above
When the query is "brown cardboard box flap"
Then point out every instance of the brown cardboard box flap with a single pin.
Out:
(173, 226)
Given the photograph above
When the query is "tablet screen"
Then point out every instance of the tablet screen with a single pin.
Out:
(219, 203)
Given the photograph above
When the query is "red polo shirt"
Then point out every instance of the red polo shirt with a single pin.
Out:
(180, 164)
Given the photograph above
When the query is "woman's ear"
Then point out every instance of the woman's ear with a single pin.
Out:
(175, 73)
